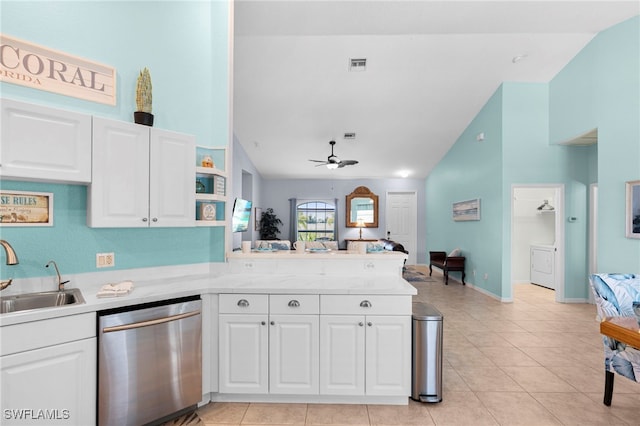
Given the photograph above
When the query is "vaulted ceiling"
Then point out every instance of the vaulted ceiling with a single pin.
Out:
(431, 66)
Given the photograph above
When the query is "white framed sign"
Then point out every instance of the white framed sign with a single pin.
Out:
(42, 68)
(22, 208)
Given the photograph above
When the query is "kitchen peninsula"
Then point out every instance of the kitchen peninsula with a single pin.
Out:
(315, 327)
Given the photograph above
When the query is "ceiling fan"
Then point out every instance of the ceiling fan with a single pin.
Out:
(333, 162)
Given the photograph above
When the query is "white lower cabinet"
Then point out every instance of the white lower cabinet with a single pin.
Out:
(315, 345)
(293, 354)
(243, 353)
(365, 354)
(268, 353)
(46, 381)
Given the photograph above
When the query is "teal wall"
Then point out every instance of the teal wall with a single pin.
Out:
(185, 45)
(600, 89)
(522, 123)
(471, 169)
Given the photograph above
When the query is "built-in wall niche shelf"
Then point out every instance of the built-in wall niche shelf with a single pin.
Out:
(211, 186)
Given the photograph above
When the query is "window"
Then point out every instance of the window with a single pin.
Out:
(316, 221)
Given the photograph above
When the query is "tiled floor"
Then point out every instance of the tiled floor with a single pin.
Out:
(532, 362)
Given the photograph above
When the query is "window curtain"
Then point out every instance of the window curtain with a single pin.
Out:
(335, 203)
(293, 219)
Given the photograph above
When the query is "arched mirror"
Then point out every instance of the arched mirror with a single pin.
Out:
(362, 206)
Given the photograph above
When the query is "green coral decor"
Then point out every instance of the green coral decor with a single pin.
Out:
(144, 99)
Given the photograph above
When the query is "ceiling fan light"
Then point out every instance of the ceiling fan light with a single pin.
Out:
(332, 166)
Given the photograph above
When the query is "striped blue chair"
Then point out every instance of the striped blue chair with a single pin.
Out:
(617, 295)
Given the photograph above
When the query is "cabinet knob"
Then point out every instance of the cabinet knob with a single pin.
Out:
(365, 304)
(360, 323)
(369, 323)
(243, 303)
(294, 304)
(273, 323)
(155, 219)
(263, 323)
(144, 219)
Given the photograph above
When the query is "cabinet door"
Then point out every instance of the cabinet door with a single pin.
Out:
(293, 354)
(388, 355)
(60, 380)
(172, 179)
(244, 341)
(40, 143)
(342, 355)
(119, 192)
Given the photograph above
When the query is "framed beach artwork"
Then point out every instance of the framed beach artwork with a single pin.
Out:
(466, 210)
(22, 208)
(633, 209)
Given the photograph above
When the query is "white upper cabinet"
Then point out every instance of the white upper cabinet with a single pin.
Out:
(44, 144)
(141, 177)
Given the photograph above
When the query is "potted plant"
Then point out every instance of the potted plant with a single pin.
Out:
(143, 99)
(269, 225)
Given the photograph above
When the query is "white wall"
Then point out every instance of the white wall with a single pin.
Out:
(530, 227)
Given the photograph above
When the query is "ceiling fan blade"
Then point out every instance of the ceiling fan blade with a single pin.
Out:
(319, 161)
(347, 163)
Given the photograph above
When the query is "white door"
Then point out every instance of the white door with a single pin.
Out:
(388, 365)
(342, 355)
(293, 354)
(172, 179)
(402, 221)
(119, 192)
(60, 379)
(244, 341)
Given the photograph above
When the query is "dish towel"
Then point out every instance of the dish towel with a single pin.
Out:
(115, 290)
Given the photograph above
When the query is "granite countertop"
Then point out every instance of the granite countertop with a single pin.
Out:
(159, 289)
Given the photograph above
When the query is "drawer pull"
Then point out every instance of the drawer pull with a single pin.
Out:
(360, 323)
(294, 304)
(263, 323)
(365, 304)
(369, 323)
(243, 303)
(273, 323)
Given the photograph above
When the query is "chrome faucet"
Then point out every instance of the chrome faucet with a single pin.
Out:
(60, 282)
(12, 259)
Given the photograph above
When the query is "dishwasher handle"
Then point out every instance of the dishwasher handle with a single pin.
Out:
(149, 322)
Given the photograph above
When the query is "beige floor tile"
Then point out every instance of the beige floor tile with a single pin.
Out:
(275, 414)
(415, 413)
(460, 409)
(337, 414)
(487, 339)
(492, 379)
(553, 356)
(466, 356)
(517, 408)
(577, 409)
(509, 357)
(451, 381)
(223, 412)
(624, 406)
(538, 379)
(582, 378)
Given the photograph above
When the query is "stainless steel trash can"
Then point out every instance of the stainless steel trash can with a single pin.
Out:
(426, 363)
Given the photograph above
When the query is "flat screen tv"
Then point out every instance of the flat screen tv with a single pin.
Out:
(241, 215)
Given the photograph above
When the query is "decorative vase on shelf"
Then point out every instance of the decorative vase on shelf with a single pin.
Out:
(143, 99)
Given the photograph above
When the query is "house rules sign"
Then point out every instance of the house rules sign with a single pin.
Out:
(39, 67)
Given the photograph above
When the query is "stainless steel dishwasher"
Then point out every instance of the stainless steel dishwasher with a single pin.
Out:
(149, 361)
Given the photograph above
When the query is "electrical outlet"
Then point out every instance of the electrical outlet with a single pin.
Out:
(486, 276)
(105, 260)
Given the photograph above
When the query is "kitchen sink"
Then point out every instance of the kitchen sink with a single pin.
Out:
(45, 299)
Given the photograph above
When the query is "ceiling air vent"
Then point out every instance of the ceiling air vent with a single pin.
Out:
(349, 136)
(357, 64)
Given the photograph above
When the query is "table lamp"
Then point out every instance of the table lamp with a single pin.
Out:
(360, 224)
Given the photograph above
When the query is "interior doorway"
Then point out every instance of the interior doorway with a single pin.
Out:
(537, 236)
(402, 221)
